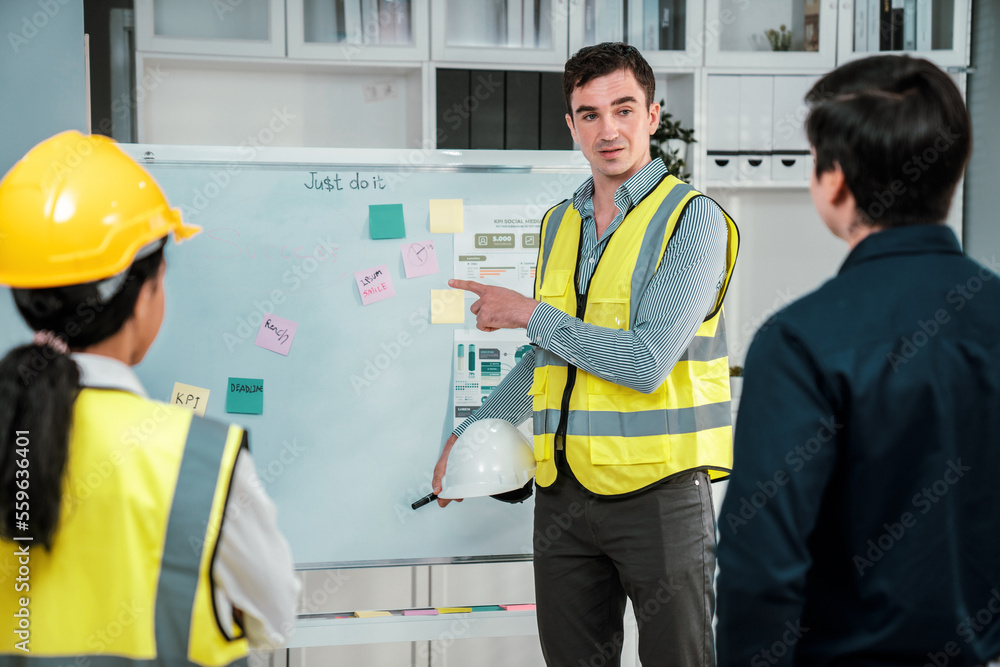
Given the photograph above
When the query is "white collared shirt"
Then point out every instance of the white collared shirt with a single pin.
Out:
(253, 568)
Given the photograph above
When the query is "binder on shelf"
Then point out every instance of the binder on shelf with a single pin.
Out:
(910, 25)
(896, 25)
(861, 26)
(387, 21)
(352, 21)
(874, 24)
(515, 17)
(924, 25)
(531, 23)
(651, 30)
(369, 22)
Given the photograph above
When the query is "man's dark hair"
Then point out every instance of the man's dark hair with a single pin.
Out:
(899, 130)
(592, 62)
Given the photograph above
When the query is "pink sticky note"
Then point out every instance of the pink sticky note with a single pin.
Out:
(419, 259)
(276, 334)
(420, 612)
(374, 284)
(518, 607)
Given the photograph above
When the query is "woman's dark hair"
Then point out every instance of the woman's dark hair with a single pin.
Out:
(899, 130)
(592, 62)
(38, 386)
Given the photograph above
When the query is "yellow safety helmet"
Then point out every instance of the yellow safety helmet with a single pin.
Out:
(77, 209)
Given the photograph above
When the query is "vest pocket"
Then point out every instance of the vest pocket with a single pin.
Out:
(555, 283)
(612, 451)
(608, 312)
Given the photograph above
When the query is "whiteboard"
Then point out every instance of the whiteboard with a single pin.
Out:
(342, 459)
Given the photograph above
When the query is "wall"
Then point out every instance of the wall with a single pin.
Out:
(982, 198)
(41, 73)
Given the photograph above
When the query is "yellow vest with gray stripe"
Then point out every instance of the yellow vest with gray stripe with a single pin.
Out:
(128, 579)
(618, 439)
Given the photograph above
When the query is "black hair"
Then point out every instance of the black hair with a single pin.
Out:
(592, 62)
(38, 387)
(899, 130)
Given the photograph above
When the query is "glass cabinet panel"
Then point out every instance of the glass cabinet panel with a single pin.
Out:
(516, 24)
(196, 19)
(386, 22)
(770, 25)
(661, 25)
(603, 21)
(903, 25)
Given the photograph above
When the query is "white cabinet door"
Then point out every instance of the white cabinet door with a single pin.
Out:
(223, 27)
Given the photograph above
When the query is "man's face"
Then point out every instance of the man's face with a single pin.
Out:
(612, 124)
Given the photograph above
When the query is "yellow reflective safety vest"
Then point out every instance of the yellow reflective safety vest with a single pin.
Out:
(617, 439)
(128, 579)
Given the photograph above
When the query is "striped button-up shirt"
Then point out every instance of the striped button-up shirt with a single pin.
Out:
(672, 308)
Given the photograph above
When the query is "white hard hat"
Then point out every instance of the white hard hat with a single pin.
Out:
(490, 457)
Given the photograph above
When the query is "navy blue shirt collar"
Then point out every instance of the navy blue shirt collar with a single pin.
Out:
(908, 240)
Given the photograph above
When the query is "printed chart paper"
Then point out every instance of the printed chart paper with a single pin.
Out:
(498, 247)
(482, 360)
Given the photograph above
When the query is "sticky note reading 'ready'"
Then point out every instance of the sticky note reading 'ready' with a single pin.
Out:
(245, 396)
(447, 216)
(374, 284)
(419, 259)
(385, 221)
(189, 396)
(447, 306)
(276, 334)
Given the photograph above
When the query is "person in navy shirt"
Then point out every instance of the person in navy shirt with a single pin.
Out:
(861, 525)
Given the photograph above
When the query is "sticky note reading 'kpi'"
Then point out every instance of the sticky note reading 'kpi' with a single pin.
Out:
(447, 216)
(276, 334)
(374, 284)
(447, 306)
(189, 396)
(245, 396)
(385, 221)
(419, 259)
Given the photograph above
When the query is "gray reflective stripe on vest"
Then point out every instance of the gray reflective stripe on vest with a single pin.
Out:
(545, 358)
(708, 348)
(551, 229)
(175, 590)
(652, 242)
(636, 424)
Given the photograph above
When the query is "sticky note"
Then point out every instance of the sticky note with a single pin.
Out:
(276, 334)
(447, 306)
(189, 396)
(245, 396)
(374, 284)
(518, 607)
(420, 612)
(419, 259)
(487, 607)
(447, 216)
(454, 610)
(372, 614)
(385, 221)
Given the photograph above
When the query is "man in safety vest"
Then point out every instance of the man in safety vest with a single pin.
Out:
(627, 381)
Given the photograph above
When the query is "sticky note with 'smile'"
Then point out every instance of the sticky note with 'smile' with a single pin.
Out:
(374, 284)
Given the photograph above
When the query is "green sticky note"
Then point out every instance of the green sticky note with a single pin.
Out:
(487, 607)
(245, 396)
(385, 221)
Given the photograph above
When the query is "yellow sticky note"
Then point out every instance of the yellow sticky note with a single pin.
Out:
(454, 610)
(189, 396)
(447, 216)
(447, 306)
(371, 614)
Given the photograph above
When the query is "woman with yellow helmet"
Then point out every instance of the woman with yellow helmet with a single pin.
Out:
(139, 532)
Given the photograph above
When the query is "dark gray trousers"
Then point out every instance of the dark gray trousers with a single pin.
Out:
(657, 547)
